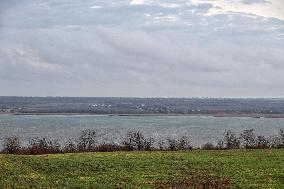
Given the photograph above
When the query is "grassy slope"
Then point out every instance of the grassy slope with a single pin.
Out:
(245, 169)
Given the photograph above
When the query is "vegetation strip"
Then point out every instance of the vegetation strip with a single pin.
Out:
(87, 141)
(253, 168)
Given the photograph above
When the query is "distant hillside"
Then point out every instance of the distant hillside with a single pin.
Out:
(115, 105)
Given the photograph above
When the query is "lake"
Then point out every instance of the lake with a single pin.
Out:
(200, 129)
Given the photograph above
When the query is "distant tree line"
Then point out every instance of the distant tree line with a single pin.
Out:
(87, 141)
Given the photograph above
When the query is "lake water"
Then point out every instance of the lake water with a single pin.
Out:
(199, 129)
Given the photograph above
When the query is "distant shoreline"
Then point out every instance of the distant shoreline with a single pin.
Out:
(252, 115)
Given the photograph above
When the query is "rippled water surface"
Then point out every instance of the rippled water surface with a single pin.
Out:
(199, 129)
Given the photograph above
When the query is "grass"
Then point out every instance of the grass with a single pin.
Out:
(241, 168)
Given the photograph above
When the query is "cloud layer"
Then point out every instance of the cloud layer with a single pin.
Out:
(142, 48)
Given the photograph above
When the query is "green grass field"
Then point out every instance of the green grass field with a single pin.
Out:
(241, 168)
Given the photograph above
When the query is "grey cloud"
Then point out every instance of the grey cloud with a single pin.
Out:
(253, 1)
(119, 51)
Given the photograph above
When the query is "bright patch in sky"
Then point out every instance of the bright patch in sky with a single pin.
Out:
(137, 2)
(96, 7)
(268, 8)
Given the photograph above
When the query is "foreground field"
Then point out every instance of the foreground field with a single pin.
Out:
(236, 168)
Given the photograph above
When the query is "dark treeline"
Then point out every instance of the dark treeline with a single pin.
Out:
(87, 141)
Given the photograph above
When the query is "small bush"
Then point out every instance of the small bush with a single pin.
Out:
(262, 142)
(42, 146)
(12, 144)
(281, 136)
(138, 140)
(70, 146)
(274, 142)
(149, 144)
(220, 145)
(277, 141)
(231, 141)
(86, 140)
(172, 144)
(160, 144)
(105, 147)
(134, 140)
(248, 138)
(184, 143)
(208, 146)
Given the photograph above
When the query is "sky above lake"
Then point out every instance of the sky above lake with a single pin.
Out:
(142, 48)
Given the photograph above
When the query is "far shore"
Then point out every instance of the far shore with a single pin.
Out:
(252, 115)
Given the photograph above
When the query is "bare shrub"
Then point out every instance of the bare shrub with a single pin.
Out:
(220, 144)
(108, 147)
(12, 144)
(281, 136)
(161, 144)
(134, 140)
(231, 141)
(138, 140)
(248, 138)
(87, 140)
(274, 142)
(172, 144)
(127, 143)
(70, 146)
(277, 141)
(149, 144)
(42, 146)
(184, 143)
(208, 146)
(262, 142)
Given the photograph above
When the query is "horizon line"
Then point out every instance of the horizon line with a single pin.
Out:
(153, 97)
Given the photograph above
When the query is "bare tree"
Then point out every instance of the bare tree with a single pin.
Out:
(161, 144)
(70, 146)
(12, 144)
(262, 142)
(172, 144)
(87, 140)
(43, 146)
(231, 141)
(220, 144)
(281, 135)
(149, 144)
(134, 140)
(249, 139)
(184, 143)
(138, 140)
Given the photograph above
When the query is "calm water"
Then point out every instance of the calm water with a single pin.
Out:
(199, 129)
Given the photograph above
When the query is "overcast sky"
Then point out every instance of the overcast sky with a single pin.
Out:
(144, 48)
